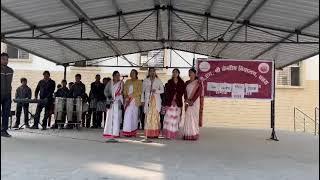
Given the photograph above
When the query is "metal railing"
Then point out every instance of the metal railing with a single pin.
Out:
(305, 123)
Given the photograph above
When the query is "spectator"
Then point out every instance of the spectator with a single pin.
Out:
(22, 92)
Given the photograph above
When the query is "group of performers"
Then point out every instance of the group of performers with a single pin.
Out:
(125, 105)
(147, 93)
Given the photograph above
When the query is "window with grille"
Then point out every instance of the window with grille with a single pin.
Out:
(152, 59)
(289, 76)
(15, 53)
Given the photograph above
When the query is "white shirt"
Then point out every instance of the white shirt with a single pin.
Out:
(146, 92)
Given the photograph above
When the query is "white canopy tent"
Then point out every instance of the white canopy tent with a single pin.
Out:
(65, 31)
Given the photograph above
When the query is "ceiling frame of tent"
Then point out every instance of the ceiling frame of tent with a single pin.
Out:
(230, 26)
(205, 22)
(108, 39)
(116, 7)
(288, 36)
(242, 22)
(247, 20)
(9, 12)
(74, 8)
(164, 40)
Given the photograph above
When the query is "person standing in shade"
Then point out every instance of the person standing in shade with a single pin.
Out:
(6, 88)
(23, 92)
(105, 81)
(46, 87)
(77, 90)
(96, 103)
(163, 107)
(174, 91)
(152, 88)
(62, 92)
(113, 92)
(132, 94)
(193, 106)
(70, 85)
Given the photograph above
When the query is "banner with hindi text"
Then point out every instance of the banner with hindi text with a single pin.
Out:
(239, 79)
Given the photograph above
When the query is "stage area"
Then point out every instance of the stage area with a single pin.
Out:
(220, 154)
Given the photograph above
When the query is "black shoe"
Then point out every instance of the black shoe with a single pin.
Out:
(5, 134)
(93, 127)
(16, 126)
(69, 126)
(27, 125)
(55, 126)
(34, 127)
(43, 129)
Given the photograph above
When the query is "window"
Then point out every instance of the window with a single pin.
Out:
(17, 53)
(289, 76)
(152, 59)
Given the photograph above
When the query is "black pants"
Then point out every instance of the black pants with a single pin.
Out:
(5, 111)
(25, 107)
(104, 114)
(161, 120)
(60, 121)
(142, 116)
(47, 105)
(96, 118)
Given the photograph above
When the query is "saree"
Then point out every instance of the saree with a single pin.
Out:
(130, 122)
(152, 126)
(114, 114)
(193, 114)
(171, 122)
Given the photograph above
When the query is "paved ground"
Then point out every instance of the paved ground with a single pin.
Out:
(221, 154)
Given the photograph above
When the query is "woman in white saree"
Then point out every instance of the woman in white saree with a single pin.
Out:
(152, 88)
(113, 92)
(132, 94)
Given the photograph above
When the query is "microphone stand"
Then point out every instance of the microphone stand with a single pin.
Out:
(146, 140)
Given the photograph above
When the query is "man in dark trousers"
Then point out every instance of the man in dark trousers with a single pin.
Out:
(78, 89)
(23, 92)
(6, 80)
(96, 103)
(46, 87)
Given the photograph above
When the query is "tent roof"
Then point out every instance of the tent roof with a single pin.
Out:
(65, 31)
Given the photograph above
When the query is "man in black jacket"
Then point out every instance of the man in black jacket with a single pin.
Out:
(6, 81)
(78, 89)
(62, 92)
(22, 92)
(46, 87)
(97, 103)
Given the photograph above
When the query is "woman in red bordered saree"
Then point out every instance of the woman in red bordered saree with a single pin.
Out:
(194, 107)
(132, 94)
(113, 92)
(174, 91)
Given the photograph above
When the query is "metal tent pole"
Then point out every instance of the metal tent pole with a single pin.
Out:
(273, 133)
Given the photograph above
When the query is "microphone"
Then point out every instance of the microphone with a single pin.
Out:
(125, 76)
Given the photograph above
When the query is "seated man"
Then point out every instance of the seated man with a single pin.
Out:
(22, 92)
